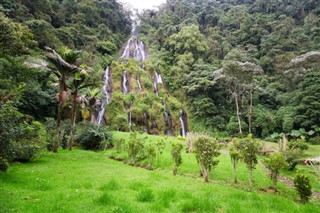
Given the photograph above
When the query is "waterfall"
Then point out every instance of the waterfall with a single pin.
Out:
(124, 83)
(167, 120)
(183, 125)
(139, 53)
(126, 52)
(106, 90)
(157, 80)
(139, 83)
(145, 122)
(130, 117)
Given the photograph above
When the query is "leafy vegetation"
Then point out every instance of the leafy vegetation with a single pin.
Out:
(176, 156)
(303, 187)
(206, 151)
(214, 72)
(275, 162)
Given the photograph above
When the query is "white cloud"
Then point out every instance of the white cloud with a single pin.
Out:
(143, 4)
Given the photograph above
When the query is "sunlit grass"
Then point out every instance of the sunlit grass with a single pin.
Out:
(85, 181)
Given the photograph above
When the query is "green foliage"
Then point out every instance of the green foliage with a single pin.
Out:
(206, 149)
(106, 47)
(298, 144)
(303, 187)
(274, 162)
(21, 138)
(235, 155)
(16, 39)
(135, 146)
(92, 137)
(119, 144)
(176, 156)
(292, 156)
(151, 152)
(295, 151)
(249, 150)
(159, 146)
(4, 165)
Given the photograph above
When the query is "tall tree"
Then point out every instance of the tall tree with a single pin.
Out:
(239, 77)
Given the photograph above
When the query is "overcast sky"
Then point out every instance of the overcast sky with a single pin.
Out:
(143, 4)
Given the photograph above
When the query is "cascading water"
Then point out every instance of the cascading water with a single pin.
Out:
(126, 52)
(183, 124)
(130, 117)
(106, 90)
(139, 83)
(167, 120)
(157, 80)
(145, 122)
(137, 46)
(139, 53)
(124, 83)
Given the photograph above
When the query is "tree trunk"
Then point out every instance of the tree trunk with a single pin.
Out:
(280, 145)
(237, 110)
(61, 99)
(56, 142)
(274, 178)
(235, 172)
(284, 142)
(250, 113)
(175, 170)
(250, 179)
(206, 176)
(73, 119)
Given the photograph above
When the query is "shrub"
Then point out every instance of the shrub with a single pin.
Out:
(298, 144)
(150, 154)
(93, 137)
(119, 144)
(315, 141)
(50, 125)
(294, 152)
(31, 142)
(235, 156)
(206, 148)
(176, 156)
(249, 149)
(303, 187)
(275, 162)
(65, 128)
(4, 165)
(159, 145)
(292, 156)
(20, 136)
(135, 145)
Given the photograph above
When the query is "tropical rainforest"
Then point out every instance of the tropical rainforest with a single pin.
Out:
(227, 68)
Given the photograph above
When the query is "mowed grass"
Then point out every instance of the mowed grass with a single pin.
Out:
(85, 181)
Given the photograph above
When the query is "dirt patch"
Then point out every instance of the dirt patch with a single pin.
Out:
(141, 165)
(289, 182)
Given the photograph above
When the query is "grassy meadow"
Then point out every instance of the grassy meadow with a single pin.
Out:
(86, 181)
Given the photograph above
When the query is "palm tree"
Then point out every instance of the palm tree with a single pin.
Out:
(91, 97)
(80, 81)
(63, 66)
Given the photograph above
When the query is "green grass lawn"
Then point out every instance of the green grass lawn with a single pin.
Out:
(86, 181)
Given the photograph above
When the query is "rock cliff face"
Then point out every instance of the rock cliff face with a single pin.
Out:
(136, 98)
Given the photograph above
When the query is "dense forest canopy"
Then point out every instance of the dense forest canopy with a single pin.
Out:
(198, 40)
(237, 66)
